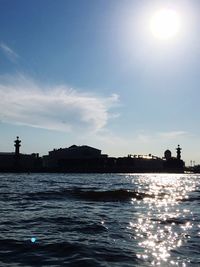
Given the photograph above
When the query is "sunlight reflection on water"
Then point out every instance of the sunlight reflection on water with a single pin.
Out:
(164, 227)
(106, 219)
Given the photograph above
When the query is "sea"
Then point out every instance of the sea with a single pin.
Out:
(119, 220)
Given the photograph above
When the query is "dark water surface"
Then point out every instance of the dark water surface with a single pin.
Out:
(99, 220)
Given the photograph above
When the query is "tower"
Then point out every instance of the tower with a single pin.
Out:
(178, 151)
(17, 146)
(167, 154)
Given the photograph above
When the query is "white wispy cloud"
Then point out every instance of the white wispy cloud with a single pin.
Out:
(25, 102)
(148, 137)
(9, 53)
(172, 134)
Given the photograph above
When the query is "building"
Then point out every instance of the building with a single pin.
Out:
(7, 161)
(80, 158)
(16, 161)
(88, 159)
(173, 164)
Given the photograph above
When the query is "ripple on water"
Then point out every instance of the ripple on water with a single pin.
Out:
(167, 224)
(100, 220)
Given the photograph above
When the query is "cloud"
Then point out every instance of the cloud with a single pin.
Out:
(172, 134)
(24, 102)
(153, 136)
(8, 52)
(144, 138)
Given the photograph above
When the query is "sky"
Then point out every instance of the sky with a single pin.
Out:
(91, 72)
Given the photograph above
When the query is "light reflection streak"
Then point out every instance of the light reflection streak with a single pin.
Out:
(164, 226)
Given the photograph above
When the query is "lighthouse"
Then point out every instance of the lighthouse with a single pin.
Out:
(17, 146)
(178, 151)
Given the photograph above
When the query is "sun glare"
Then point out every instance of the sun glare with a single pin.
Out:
(165, 24)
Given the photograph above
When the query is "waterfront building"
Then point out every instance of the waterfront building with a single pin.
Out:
(88, 159)
(173, 164)
(73, 157)
(7, 160)
(16, 161)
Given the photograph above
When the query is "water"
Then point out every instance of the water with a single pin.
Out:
(99, 220)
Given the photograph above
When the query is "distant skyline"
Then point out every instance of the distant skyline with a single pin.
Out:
(92, 72)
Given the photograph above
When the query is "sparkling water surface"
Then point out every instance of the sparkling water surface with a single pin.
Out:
(99, 220)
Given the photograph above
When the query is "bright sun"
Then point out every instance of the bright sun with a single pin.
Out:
(165, 24)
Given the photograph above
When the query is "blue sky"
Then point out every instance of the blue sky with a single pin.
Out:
(91, 72)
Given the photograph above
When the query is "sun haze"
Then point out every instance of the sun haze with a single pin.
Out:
(165, 24)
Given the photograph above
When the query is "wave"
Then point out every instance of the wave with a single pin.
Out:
(111, 195)
(64, 253)
(89, 195)
(82, 194)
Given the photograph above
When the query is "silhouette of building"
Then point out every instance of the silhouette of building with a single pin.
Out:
(17, 146)
(87, 159)
(74, 157)
(174, 164)
(7, 161)
(167, 154)
(178, 151)
(16, 161)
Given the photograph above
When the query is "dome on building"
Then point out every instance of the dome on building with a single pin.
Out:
(168, 154)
